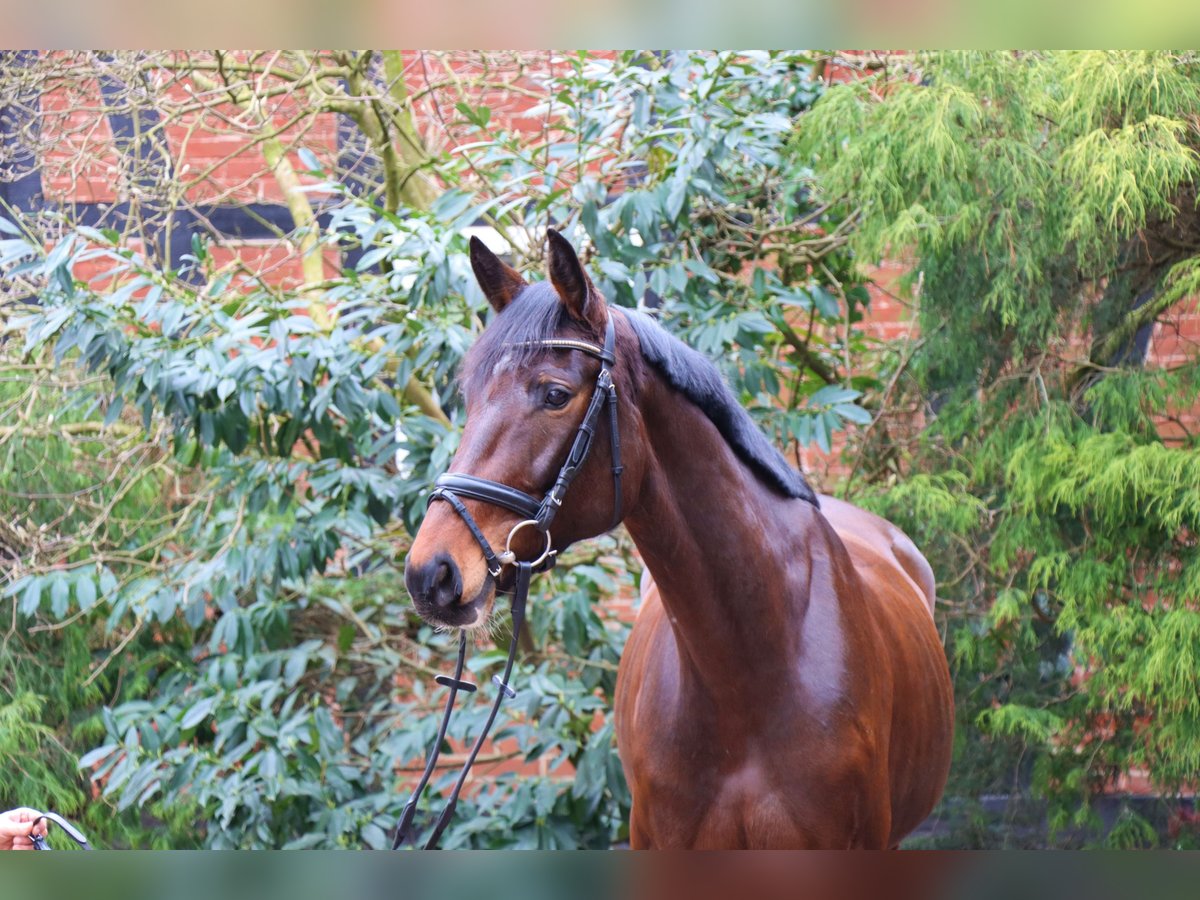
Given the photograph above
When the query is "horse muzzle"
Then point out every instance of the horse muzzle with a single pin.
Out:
(436, 587)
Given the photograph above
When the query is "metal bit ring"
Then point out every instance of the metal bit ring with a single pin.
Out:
(508, 557)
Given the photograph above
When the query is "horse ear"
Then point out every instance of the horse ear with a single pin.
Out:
(574, 288)
(500, 282)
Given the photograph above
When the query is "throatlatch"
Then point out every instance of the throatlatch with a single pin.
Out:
(451, 487)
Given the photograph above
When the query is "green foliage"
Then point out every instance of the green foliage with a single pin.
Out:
(1048, 202)
(676, 171)
(30, 743)
(65, 481)
(270, 700)
(207, 493)
(1022, 182)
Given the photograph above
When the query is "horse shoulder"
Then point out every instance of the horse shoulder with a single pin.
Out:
(921, 724)
(649, 653)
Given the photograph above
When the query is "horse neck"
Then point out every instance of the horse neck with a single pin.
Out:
(733, 561)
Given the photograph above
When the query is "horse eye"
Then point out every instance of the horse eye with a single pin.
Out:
(556, 398)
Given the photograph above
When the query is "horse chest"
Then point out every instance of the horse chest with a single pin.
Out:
(706, 799)
(753, 774)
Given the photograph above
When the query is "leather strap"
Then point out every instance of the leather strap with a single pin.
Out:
(39, 842)
(615, 440)
(489, 555)
(543, 511)
(578, 454)
(493, 492)
(435, 749)
(504, 692)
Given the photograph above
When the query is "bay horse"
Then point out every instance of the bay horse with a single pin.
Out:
(784, 685)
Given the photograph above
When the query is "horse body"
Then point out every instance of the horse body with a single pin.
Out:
(783, 686)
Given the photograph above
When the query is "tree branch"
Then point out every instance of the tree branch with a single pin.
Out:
(800, 347)
(1105, 347)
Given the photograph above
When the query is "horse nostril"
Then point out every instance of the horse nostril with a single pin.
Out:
(436, 584)
(446, 589)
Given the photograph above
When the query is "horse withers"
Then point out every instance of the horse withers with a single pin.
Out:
(784, 685)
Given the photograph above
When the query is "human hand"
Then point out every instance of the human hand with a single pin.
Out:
(15, 827)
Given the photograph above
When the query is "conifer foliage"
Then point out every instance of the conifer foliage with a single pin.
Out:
(1048, 204)
(208, 481)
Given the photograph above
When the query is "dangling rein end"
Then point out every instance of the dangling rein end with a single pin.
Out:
(456, 684)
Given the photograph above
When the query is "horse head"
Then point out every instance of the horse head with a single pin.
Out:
(535, 386)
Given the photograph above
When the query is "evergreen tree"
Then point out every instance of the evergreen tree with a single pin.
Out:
(1048, 201)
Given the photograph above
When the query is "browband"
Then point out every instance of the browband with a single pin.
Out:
(605, 355)
(542, 512)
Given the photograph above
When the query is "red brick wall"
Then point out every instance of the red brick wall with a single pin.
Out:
(216, 155)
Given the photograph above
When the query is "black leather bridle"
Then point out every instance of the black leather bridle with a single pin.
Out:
(539, 514)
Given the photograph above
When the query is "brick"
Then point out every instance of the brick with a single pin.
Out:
(275, 264)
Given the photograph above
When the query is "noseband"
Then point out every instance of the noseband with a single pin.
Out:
(539, 514)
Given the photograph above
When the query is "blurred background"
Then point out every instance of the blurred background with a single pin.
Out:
(956, 288)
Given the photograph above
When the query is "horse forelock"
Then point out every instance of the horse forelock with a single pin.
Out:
(536, 314)
(510, 339)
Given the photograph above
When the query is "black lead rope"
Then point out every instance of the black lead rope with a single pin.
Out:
(505, 692)
(456, 684)
(533, 512)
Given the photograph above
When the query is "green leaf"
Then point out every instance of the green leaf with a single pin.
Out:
(108, 582)
(60, 594)
(476, 115)
(114, 410)
(297, 663)
(452, 204)
(309, 160)
(853, 413)
(375, 837)
(31, 597)
(821, 434)
(92, 757)
(827, 304)
(198, 712)
(371, 258)
(675, 198)
(833, 394)
(85, 591)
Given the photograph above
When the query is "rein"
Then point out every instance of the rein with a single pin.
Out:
(539, 514)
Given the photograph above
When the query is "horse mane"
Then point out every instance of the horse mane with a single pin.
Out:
(694, 375)
(536, 314)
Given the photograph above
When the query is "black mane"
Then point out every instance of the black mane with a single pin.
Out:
(536, 314)
(695, 376)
